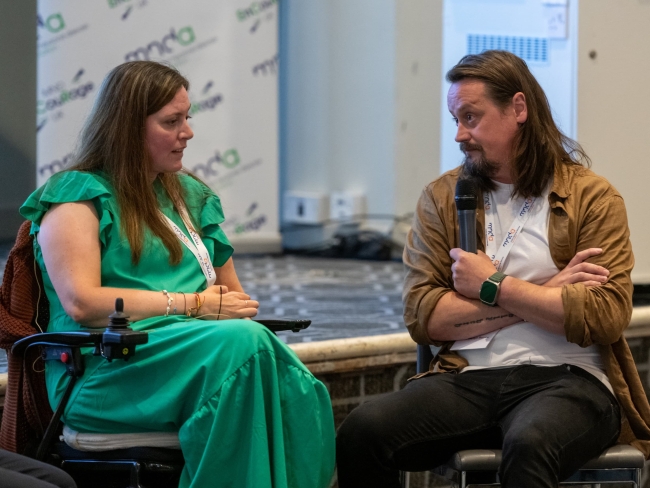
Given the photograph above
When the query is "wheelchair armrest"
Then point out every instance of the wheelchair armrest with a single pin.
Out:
(279, 325)
(111, 343)
(62, 339)
(95, 337)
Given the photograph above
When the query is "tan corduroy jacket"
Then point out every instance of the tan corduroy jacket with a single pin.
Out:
(586, 211)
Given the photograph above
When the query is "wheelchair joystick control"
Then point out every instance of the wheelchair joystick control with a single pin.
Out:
(118, 319)
(119, 340)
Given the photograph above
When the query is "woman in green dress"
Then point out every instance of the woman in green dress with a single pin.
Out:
(126, 221)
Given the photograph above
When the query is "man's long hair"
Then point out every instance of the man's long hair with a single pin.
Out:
(113, 142)
(539, 145)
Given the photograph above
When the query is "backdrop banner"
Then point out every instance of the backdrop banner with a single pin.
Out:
(228, 51)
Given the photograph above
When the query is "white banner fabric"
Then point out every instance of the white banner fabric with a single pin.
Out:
(227, 49)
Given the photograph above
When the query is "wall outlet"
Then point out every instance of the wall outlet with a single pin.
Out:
(301, 207)
(344, 205)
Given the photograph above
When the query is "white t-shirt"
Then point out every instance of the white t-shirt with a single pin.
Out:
(530, 260)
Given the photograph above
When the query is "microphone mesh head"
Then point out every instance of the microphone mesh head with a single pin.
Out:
(466, 195)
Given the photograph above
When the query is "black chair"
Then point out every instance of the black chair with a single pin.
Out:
(618, 464)
(132, 466)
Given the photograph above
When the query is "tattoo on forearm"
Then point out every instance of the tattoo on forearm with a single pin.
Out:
(478, 321)
(500, 317)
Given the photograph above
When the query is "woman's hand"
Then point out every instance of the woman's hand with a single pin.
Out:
(233, 304)
(578, 271)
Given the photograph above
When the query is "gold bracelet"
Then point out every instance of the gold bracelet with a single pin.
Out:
(195, 310)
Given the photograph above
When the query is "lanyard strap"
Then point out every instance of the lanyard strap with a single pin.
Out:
(498, 254)
(195, 245)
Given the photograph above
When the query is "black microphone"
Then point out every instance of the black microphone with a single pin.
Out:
(466, 203)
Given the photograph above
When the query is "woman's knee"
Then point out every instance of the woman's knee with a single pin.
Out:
(239, 332)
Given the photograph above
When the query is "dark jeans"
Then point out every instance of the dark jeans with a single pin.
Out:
(548, 421)
(22, 472)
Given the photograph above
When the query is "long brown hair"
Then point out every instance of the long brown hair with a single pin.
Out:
(539, 144)
(113, 142)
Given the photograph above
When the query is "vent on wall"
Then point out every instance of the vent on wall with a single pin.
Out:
(533, 49)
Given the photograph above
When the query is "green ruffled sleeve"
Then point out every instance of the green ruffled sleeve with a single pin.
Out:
(71, 186)
(206, 211)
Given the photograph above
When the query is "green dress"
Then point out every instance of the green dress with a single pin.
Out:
(248, 412)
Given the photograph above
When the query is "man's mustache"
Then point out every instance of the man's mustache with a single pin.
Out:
(466, 147)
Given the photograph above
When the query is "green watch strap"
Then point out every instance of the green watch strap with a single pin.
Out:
(497, 277)
(490, 288)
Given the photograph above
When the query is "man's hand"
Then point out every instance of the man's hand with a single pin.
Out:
(578, 271)
(469, 271)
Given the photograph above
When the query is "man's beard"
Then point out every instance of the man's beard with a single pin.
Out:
(482, 169)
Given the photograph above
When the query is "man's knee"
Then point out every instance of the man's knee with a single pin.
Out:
(365, 425)
(360, 424)
(526, 443)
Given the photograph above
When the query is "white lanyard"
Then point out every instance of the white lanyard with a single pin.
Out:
(498, 254)
(195, 245)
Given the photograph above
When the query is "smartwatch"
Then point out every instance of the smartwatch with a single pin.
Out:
(490, 289)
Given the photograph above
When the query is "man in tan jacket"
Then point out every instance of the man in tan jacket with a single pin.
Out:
(532, 356)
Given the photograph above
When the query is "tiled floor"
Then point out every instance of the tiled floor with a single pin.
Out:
(342, 297)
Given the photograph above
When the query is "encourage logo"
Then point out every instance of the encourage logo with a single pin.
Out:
(208, 103)
(251, 224)
(65, 96)
(184, 37)
(116, 3)
(255, 9)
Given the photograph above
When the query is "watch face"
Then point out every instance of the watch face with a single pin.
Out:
(488, 294)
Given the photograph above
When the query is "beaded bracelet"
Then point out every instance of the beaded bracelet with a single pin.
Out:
(169, 302)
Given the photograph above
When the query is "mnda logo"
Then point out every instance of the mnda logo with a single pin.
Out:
(210, 169)
(55, 166)
(183, 37)
(53, 23)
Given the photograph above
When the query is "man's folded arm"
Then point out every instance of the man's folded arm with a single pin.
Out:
(433, 311)
(600, 314)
